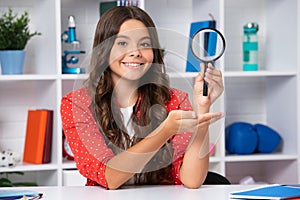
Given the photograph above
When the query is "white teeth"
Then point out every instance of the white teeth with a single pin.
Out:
(133, 64)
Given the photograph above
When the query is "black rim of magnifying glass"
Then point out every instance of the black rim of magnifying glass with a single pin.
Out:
(205, 88)
(219, 33)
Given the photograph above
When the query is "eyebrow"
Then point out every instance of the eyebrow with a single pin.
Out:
(126, 37)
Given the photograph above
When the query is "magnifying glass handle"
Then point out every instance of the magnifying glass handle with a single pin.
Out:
(205, 88)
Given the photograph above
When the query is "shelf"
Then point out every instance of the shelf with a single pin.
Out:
(259, 157)
(237, 74)
(227, 74)
(74, 76)
(182, 74)
(214, 159)
(30, 167)
(69, 164)
(244, 74)
(27, 77)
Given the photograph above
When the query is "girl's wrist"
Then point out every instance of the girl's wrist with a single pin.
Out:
(168, 129)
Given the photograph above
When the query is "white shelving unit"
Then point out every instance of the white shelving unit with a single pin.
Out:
(269, 96)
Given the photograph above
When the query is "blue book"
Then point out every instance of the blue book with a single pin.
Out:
(10, 194)
(269, 192)
(193, 64)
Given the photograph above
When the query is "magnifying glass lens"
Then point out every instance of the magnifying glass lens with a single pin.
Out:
(208, 45)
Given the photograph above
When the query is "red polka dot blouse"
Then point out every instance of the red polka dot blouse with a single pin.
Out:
(88, 145)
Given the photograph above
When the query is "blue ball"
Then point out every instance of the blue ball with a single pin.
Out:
(268, 139)
(241, 138)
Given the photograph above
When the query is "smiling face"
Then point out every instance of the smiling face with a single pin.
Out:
(131, 55)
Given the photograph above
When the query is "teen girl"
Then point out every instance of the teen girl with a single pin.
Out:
(127, 126)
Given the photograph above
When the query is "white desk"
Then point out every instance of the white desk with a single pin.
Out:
(206, 192)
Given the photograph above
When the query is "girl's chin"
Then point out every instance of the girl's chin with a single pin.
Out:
(133, 77)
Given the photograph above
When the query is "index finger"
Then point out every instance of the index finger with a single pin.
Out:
(188, 114)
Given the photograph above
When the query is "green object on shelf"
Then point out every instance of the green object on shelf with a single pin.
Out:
(250, 67)
(14, 36)
(5, 182)
(14, 30)
(104, 6)
(250, 47)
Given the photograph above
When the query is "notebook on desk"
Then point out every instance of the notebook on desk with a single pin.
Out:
(291, 192)
(19, 194)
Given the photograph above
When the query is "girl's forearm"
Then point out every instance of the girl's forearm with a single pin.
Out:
(196, 160)
(123, 166)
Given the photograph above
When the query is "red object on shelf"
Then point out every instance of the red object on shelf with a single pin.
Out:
(38, 139)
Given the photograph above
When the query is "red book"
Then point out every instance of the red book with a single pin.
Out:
(38, 122)
(48, 138)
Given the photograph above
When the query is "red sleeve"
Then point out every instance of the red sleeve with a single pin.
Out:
(87, 143)
(179, 101)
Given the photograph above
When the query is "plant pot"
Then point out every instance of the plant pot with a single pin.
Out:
(12, 61)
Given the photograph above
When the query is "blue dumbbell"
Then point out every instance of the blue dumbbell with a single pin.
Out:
(268, 139)
(241, 138)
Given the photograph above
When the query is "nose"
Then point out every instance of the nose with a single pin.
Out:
(135, 53)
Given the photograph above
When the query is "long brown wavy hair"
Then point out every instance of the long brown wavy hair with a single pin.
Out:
(153, 92)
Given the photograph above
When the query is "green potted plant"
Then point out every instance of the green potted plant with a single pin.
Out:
(5, 182)
(14, 35)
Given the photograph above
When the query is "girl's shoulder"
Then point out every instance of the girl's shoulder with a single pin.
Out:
(178, 100)
(79, 96)
(177, 93)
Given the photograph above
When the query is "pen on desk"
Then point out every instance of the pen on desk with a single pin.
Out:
(38, 196)
(292, 185)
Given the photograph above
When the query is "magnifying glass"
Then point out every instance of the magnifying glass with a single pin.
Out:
(207, 45)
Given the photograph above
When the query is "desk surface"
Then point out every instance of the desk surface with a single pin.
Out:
(206, 192)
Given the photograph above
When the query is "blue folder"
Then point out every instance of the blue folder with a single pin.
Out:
(269, 192)
(193, 64)
(19, 194)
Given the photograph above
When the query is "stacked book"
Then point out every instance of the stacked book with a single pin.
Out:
(38, 141)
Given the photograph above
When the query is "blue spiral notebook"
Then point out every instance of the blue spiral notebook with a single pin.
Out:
(269, 192)
(8, 194)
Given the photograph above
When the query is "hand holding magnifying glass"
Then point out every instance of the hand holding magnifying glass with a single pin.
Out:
(207, 45)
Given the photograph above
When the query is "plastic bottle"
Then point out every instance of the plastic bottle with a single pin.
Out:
(250, 47)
